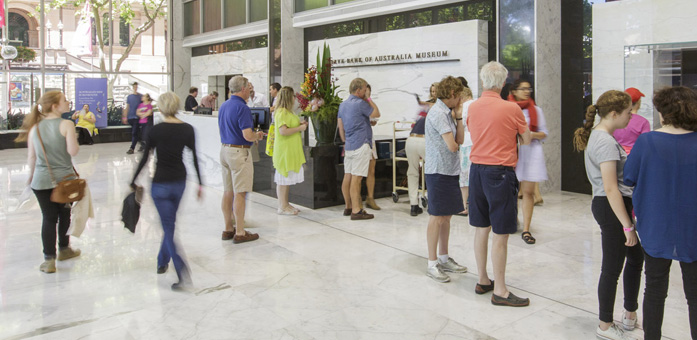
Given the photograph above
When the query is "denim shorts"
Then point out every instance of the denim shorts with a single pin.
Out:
(493, 198)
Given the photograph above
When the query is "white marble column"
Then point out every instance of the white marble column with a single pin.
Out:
(292, 47)
(180, 56)
(548, 84)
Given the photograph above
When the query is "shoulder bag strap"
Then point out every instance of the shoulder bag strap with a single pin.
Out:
(41, 142)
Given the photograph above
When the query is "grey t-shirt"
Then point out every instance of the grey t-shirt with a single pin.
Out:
(602, 147)
(440, 160)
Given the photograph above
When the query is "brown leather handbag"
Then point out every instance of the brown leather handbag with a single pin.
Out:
(67, 190)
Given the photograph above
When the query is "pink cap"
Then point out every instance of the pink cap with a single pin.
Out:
(634, 93)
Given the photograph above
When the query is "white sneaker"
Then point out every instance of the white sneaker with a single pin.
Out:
(628, 324)
(452, 266)
(612, 333)
(437, 274)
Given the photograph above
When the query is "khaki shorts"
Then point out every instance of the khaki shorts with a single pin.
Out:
(238, 170)
(357, 162)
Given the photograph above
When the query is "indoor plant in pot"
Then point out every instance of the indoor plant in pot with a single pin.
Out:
(318, 98)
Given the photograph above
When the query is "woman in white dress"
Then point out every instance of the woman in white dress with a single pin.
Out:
(531, 167)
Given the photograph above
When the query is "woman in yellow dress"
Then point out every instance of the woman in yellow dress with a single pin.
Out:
(85, 125)
(288, 154)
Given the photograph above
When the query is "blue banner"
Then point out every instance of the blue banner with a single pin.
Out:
(93, 92)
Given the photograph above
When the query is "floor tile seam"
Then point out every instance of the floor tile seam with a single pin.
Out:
(423, 257)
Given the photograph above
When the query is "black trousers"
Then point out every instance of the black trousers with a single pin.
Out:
(614, 255)
(657, 275)
(135, 131)
(53, 213)
(83, 136)
(144, 132)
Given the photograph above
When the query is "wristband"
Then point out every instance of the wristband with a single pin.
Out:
(368, 100)
(458, 118)
(628, 229)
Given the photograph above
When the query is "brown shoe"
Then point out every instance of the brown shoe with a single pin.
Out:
(347, 212)
(245, 238)
(510, 301)
(361, 215)
(371, 204)
(228, 235)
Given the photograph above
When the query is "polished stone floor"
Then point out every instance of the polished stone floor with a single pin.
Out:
(314, 276)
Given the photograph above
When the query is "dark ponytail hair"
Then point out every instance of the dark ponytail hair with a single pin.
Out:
(610, 101)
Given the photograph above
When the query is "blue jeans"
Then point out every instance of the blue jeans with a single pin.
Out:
(167, 196)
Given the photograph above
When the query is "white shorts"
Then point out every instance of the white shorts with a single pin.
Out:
(357, 162)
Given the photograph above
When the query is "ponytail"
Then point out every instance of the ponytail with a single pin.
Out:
(608, 102)
(38, 112)
(582, 134)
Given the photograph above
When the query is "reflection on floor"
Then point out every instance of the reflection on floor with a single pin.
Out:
(314, 276)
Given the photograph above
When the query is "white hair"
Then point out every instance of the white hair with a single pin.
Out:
(237, 84)
(493, 75)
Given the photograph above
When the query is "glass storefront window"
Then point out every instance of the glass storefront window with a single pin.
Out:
(395, 22)
(258, 10)
(450, 14)
(72, 51)
(192, 18)
(341, 1)
(424, 18)
(305, 5)
(235, 12)
(211, 15)
(517, 38)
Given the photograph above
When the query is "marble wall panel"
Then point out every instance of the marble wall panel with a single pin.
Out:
(292, 47)
(635, 22)
(548, 84)
(180, 57)
(249, 63)
(394, 85)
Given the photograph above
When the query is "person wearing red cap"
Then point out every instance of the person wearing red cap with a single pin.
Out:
(637, 124)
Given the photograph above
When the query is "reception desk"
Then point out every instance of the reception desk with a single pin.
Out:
(324, 170)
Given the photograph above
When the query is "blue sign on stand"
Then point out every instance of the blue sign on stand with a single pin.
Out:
(93, 92)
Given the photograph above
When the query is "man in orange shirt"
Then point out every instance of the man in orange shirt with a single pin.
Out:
(495, 125)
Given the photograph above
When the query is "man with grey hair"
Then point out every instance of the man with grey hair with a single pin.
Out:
(494, 125)
(236, 135)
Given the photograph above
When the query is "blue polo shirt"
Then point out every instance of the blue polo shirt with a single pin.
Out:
(355, 115)
(234, 116)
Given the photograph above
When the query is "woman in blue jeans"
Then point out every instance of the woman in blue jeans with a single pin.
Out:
(663, 169)
(168, 139)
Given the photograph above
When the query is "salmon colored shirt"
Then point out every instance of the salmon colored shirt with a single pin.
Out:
(494, 124)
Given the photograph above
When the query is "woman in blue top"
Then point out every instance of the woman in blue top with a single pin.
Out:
(663, 169)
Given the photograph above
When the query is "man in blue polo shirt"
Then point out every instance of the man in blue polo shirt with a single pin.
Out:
(236, 134)
(355, 130)
(129, 116)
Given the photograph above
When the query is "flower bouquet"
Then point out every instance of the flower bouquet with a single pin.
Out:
(318, 98)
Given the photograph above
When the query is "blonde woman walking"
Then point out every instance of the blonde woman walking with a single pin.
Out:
(50, 136)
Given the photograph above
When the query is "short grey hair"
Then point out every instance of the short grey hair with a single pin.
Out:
(493, 75)
(237, 84)
(168, 103)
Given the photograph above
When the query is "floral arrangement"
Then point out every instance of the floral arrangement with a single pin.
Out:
(318, 97)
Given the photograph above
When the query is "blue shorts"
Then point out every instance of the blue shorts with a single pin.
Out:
(444, 195)
(493, 198)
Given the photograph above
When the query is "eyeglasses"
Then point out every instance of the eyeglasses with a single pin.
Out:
(526, 89)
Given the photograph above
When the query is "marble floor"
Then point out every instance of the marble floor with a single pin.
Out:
(314, 276)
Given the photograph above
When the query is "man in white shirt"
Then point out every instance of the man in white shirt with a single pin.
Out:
(256, 99)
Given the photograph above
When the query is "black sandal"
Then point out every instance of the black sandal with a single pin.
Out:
(527, 237)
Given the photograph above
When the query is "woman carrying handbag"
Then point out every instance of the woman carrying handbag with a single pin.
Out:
(59, 145)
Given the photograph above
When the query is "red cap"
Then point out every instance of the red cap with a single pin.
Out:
(634, 93)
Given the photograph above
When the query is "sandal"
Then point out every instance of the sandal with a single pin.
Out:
(527, 237)
(465, 212)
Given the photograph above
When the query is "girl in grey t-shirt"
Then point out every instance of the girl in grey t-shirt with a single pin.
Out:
(612, 209)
